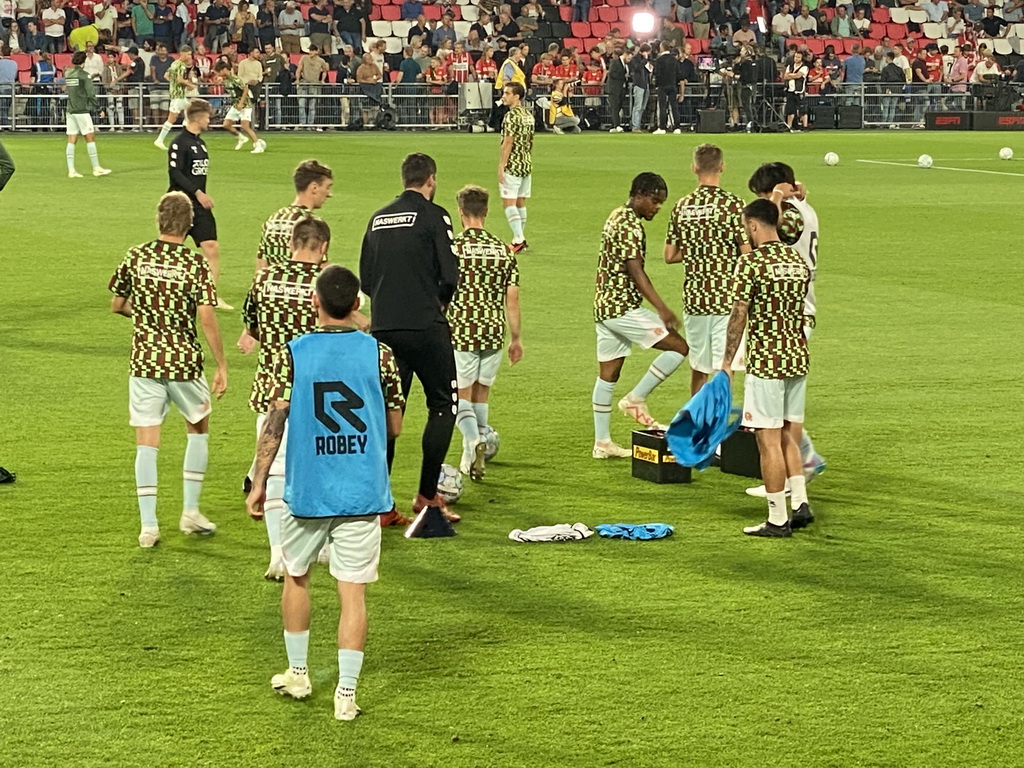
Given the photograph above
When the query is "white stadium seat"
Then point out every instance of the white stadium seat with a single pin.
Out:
(916, 16)
(394, 44)
(304, 44)
(461, 29)
(1017, 30)
(899, 15)
(401, 28)
(1002, 47)
(381, 28)
(945, 41)
(470, 12)
(934, 31)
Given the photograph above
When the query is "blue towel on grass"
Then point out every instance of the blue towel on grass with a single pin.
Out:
(634, 532)
(703, 423)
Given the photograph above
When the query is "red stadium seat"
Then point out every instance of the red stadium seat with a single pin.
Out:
(616, 3)
(24, 77)
(62, 61)
(432, 12)
(594, 15)
(332, 76)
(295, 58)
(817, 47)
(626, 13)
(375, 13)
(608, 14)
(600, 28)
(565, 13)
(572, 42)
(390, 13)
(381, 2)
(827, 13)
(580, 29)
(686, 27)
(23, 60)
(848, 44)
(304, 10)
(880, 15)
(590, 42)
(395, 75)
(896, 31)
(837, 44)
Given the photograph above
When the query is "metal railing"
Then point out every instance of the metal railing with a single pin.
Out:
(143, 106)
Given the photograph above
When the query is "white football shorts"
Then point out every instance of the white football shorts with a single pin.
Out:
(80, 124)
(277, 466)
(616, 336)
(178, 105)
(149, 400)
(479, 366)
(515, 186)
(354, 545)
(767, 403)
(238, 115)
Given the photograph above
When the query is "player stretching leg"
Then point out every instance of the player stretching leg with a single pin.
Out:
(622, 286)
(81, 102)
(336, 475)
(516, 162)
(279, 308)
(241, 109)
(182, 79)
(798, 227)
(162, 286)
(188, 164)
(488, 292)
(770, 286)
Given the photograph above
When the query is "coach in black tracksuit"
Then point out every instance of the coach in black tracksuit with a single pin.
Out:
(409, 269)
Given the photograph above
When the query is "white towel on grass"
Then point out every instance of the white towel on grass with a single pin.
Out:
(561, 532)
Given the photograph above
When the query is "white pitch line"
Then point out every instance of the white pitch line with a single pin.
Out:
(943, 168)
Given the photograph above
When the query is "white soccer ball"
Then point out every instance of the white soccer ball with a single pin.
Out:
(449, 483)
(925, 161)
(831, 159)
(1006, 153)
(492, 440)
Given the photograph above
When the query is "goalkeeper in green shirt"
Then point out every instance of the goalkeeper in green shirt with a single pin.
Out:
(241, 108)
(81, 103)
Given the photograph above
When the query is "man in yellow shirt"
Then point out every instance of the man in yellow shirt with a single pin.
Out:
(83, 35)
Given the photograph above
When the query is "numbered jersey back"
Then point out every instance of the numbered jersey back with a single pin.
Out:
(807, 246)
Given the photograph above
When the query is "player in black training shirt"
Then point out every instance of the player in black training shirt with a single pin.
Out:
(409, 269)
(187, 165)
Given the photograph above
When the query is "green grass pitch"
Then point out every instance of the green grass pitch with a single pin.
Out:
(886, 635)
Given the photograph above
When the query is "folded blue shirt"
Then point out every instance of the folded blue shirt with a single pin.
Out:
(703, 424)
(634, 532)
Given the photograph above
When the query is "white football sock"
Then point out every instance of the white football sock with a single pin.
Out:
(69, 153)
(664, 365)
(522, 220)
(94, 156)
(602, 403)
(465, 420)
(297, 646)
(798, 490)
(164, 131)
(483, 412)
(515, 221)
(350, 664)
(777, 514)
(197, 454)
(145, 483)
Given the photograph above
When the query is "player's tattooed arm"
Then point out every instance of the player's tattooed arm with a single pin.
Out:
(734, 333)
(121, 305)
(270, 440)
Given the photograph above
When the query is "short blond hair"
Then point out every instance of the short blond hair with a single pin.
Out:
(707, 158)
(174, 214)
(197, 107)
(472, 201)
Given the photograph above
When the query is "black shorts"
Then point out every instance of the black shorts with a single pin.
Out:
(428, 353)
(794, 104)
(204, 226)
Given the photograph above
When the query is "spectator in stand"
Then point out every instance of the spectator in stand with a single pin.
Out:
(273, 63)
(1013, 11)
(243, 29)
(973, 11)
(82, 36)
(290, 25)
(593, 80)
(842, 25)
(409, 69)
(443, 32)
(894, 82)
(701, 19)
(506, 29)
(142, 21)
(33, 41)
(861, 23)
(474, 44)
(935, 10)
(987, 71)
(670, 33)
(993, 26)
(8, 77)
(419, 29)
(615, 83)
(125, 29)
(686, 74)
(26, 11)
(377, 51)
(53, 26)
(580, 10)
(369, 78)
(959, 74)
(955, 24)
(834, 66)
(817, 78)
(160, 102)
(640, 75)
(321, 21)
(113, 75)
(94, 63)
(806, 24)
(936, 74)
(488, 6)
(853, 69)
(310, 76)
(250, 72)
(721, 44)
(105, 17)
(163, 16)
(483, 27)
(411, 9)
(567, 69)
(445, 50)
(528, 25)
(350, 24)
(901, 61)
(684, 11)
(423, 57)
(920, 80)
(744, 35)
(486, 67)
(202, 63)
(437, 79)
(345, 69)
(783, 27)
(218, 17)
(266, 24)
(460, 65)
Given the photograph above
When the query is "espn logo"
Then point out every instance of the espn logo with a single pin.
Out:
(948, 120)
(1010, 120)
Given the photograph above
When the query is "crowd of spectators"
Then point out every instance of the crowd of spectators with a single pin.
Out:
(436, 46)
